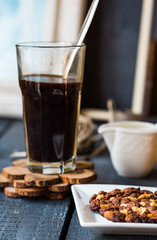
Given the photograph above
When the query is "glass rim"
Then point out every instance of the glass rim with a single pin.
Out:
(49, 44)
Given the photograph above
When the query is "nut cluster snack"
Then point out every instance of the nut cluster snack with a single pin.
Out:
(126, 205)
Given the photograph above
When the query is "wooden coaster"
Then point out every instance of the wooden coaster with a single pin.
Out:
(40, 180)
(19, 183)
(32, 192)
(4, 182)
(56, 195)
(20, 162)
(84, 165)
(78, 176)
(60, 187)
(14, 173)
(11, 192)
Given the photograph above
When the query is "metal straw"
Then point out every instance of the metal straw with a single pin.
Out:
(82, 35)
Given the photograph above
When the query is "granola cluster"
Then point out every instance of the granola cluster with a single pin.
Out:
(126, 205)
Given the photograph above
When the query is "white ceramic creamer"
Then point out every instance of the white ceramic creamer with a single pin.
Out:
(132, 146)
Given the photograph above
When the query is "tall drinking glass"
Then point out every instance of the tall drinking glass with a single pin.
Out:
(51, 103)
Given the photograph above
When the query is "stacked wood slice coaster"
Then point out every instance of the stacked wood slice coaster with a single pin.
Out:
(18, 181)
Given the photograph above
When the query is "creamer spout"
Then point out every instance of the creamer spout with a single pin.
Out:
(108, 135)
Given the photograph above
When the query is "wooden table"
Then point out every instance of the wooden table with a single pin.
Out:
(43, 219)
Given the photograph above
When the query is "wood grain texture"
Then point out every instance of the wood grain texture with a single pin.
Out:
(31, 192)
(37, 218)
(40, 180)
(80, 164)
(60, 187)
(79, 176)
(49, 219)
(20, 183)
(20, 162)
(4, 182)
(14, 173)
(11, 192)
(25, 218)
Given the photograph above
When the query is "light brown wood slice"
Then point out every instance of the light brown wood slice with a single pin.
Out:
(20, 162)
(32, 192)
(40, 180)
(78, 176)
(56, 195)
(20, 183)
(60, 187)
(84, 165)
(14, 173)
(11, 192)
(4, 182)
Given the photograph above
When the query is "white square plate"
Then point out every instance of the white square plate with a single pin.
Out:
(93, 220)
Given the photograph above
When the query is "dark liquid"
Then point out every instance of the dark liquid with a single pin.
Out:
(51, 108)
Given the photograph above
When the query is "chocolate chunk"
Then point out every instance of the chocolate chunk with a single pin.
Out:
(126, 205)
(133, 204)
(137, 219)
(124, 201)
(130, 190)
(92, 198)
(118, 217)
(129, 218)
(102, 211)
(116, 201)
(114, 192)
(135, 195)
(95, 205)
(102, 192)
(146, 191)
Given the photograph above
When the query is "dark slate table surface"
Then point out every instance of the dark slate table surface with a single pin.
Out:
(43, 219)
